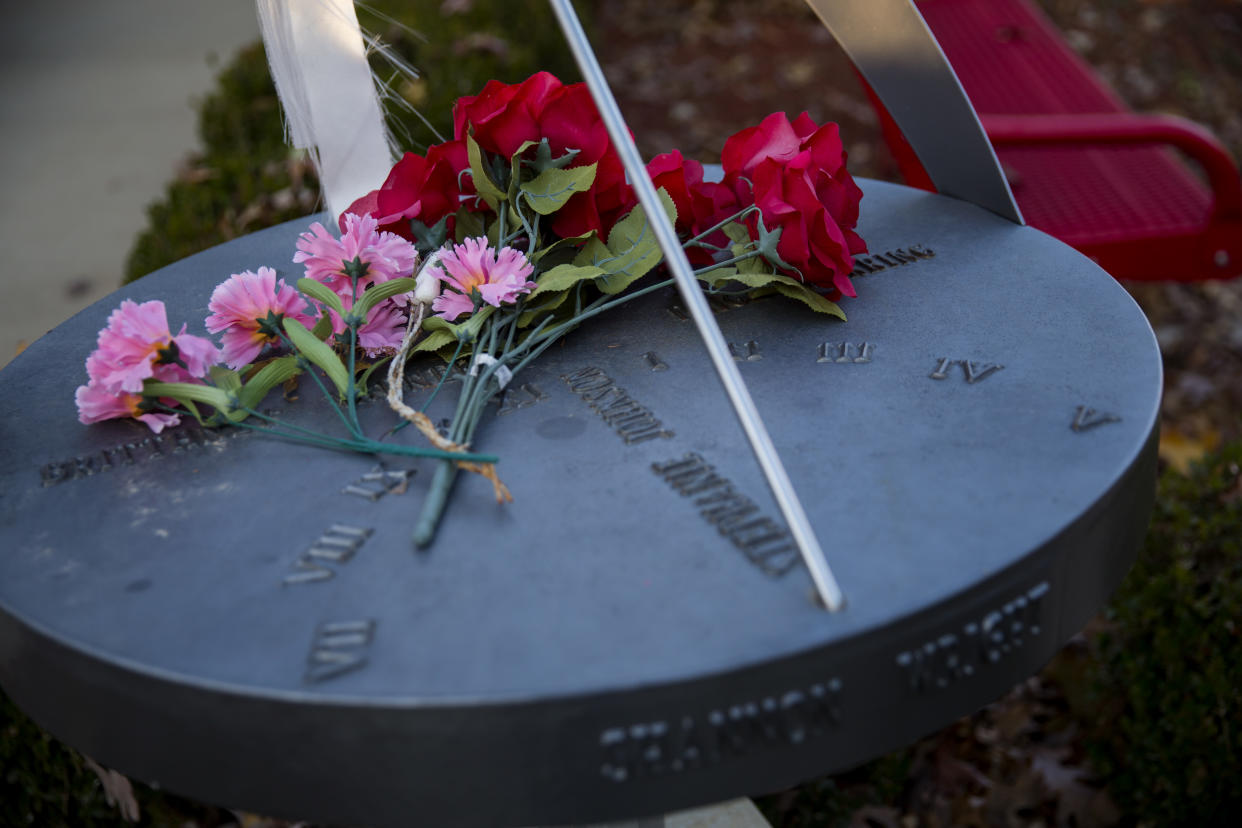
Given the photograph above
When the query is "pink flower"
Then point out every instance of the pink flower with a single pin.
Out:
(474, 266)
(383, 331)
(137, 345)
(248, 307)
(95, 404)
(375, 256)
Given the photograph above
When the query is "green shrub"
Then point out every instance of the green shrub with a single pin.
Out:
(246, 178)
(1168, 676)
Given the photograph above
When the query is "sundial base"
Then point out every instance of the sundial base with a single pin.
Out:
(634, 634)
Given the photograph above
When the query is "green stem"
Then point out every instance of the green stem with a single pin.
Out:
(433, 506)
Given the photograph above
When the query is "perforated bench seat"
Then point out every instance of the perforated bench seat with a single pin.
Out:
(1082, 167)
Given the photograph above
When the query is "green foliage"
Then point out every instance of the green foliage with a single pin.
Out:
(246, 178)
(1168, 677)
(831, 801)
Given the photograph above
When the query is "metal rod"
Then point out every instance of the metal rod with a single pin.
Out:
(692, 295)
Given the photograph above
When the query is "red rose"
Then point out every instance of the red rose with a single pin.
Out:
(795, 173)
(504, 116)
(424, 188)
(570, 121)
(700, 204)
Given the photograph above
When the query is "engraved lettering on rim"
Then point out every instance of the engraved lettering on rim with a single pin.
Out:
(764, 542)
(1087, 418)
(748, 352)
(633, 422)
(186, 438)
(939, 662)
(336, 545)
(845, 352)
(338, 647)
(379, 482)
(707, 737)
(874, 263)
(522, 396)
(654, 362)
(973, 371)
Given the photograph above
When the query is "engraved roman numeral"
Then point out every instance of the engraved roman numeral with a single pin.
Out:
(338, 647)
(973, 371)
(1087, 418)
(845, 352)
(747, 353)
(379, 482)
(336, 545)
(523, 396)
(654, 362)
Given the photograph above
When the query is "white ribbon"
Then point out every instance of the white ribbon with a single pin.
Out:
(502, 375)
(318, 59)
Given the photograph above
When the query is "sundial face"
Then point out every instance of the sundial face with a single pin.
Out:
(635, 633)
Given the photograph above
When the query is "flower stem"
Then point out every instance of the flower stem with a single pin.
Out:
(433, 507)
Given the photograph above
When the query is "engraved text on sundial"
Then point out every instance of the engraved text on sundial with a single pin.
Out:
(972, 370)
(1088, 418)
(338, 647)
(845, 352)
(954, 656)
(766, 543)
(336, 546)
(703, 738)
(632, 421)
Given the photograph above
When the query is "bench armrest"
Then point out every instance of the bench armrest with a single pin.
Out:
(1128, 128)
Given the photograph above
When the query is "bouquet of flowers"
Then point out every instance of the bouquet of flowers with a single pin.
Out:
(483, 252)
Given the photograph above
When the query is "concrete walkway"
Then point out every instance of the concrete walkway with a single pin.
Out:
(96, 110)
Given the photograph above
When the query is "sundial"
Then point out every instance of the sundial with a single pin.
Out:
(245, 621)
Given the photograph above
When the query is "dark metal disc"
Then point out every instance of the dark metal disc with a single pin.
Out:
(244, 620)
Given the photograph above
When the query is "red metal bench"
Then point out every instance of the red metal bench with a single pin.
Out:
(1082, 166)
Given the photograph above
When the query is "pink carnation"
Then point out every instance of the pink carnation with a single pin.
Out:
(249, 307)
(383, 331)
(382, 255)
(95, 404)
(475, 266)
(137, 345)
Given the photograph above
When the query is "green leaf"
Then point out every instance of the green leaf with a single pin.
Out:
(225, 378)
(595, 254)
(768, 240)
(549, 191)
(322, 293)
(515, 169)
(434, 341)
(277, 372)
(544, 160)
(634, 250)
(560, 247)
(469, 225)
(749, 278)
(815, 301)
(430, 238)
(184, 392)
(563, 277)
(323, 327)
(319, 353)
(378, 293)
(483, 184)
(532, 312)
(366, 375)
(469, 330)
(737, 232)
